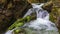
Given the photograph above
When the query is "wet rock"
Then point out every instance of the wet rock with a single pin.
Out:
(48, 6)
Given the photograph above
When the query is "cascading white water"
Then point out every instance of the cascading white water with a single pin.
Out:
(35, 8)
(42, 25)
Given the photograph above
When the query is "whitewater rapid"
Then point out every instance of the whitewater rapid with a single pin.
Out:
(42, 24)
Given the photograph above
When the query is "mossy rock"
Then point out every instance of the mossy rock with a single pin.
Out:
(10, 11)
(54, 14)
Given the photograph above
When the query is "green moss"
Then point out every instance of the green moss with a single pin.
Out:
(20, 22)
(17, 31)
(54, 14)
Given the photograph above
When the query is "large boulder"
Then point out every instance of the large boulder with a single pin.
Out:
(11, 10)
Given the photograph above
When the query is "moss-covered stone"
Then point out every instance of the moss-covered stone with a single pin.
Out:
(11, 10)
(54, 14)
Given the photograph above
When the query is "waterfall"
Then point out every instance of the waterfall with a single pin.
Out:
(35, 8)
(42, 24)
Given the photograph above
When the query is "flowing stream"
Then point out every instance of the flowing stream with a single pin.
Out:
(42, 24)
